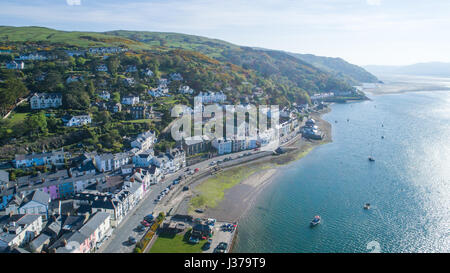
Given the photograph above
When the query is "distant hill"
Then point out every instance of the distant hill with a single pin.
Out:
(345, 71)
(436, 69)
(270, 63)
(72, 38)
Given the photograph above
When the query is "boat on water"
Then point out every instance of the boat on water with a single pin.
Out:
(371, 159)
(315, 221)
(367, 206)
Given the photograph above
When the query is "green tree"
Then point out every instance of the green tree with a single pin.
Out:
(37, 123)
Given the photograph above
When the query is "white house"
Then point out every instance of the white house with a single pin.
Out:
(105, 95)
(212, 97)
(20, 229)
(185, 90)
(111, 162)
(40, 159)
(15, 65)
(81, 120)
(143, 160)
(102, 68)
(223, 146)
(32, 57)
(144, 141)
(321, 96)
(100, 225)
(36, 203)
(130, 100)
(45, 100)
(148, 72)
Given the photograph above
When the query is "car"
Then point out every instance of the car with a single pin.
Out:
(185, 188)
(145, 223)
(149, 218)
(217, 250)
(187, 170)
(141, 228)
(199, 211)
(194, 240)
(222, 246)
(196, 170)
(212, 163)
(207, 245)
(132, 240)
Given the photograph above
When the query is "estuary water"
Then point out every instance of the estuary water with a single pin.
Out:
(408, 186)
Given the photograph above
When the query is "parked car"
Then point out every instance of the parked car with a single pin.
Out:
(207, 245)
(194, 240)
(185, 188)
(222, 247)
(199, 211)
(149, 218)
(145, 223)
(196, 170)
(141, 228)
(132, 240)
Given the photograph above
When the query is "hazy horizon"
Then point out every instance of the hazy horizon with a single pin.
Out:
(363, 32)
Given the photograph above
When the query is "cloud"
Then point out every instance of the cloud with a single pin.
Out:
(73, 2)
(373, 2)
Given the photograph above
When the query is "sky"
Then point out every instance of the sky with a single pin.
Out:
(363, 32)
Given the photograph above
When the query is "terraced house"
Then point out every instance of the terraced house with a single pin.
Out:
(40, 159)
(45, 100)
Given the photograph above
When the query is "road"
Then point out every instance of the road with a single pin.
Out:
(117, 243)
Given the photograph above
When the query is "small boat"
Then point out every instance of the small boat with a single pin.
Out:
(382, 137)
(371, 159)
(335, 121)
(367, 206)
(315, 221)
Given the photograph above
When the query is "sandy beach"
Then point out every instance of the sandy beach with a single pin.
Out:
(239, 198)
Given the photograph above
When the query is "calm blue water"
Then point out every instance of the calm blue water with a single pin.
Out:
(408, 185)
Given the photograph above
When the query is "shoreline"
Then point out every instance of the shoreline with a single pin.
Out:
(238, 199)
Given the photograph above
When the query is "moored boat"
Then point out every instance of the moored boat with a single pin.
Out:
(315, 221)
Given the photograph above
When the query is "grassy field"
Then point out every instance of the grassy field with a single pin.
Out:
(15, 119)
(212, 191)
(81, 39)
(175, 244)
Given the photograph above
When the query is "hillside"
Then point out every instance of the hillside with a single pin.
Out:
(73, 38)
(274, 64)
(350, 73)
(284, 78)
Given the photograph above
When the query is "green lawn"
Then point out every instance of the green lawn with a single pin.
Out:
(16, 118)
(137, 121)
(212, 191)
(175, 244)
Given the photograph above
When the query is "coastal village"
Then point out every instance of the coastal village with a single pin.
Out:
(78, 198)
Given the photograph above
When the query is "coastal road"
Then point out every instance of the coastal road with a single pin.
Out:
(117, 243)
